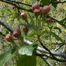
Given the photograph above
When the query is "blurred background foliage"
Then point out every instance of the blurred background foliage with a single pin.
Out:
(10, 15)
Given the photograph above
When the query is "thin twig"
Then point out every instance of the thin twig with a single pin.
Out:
(45, 61)
(30, 10)
(6, 26)
(56, 20)
(18, 7)
(2, 34)
(21, 3)
(42, 55)
(50, 51)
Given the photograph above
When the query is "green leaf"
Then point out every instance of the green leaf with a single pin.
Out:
(54, 3)
(45, 2)
(33, 33)
(33, 1)
(26, 61)
(28, 50)
(6, 57)
(1, 37)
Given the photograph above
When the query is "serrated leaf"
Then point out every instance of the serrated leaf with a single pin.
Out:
(28, 50)
(6, 57)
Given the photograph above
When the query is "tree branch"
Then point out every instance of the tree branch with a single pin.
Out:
(50, 51)
(6, 26)
(2, 34)
(30, 10)
(21, 3)
(46, 61)
(18, 7)
(56, 20)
